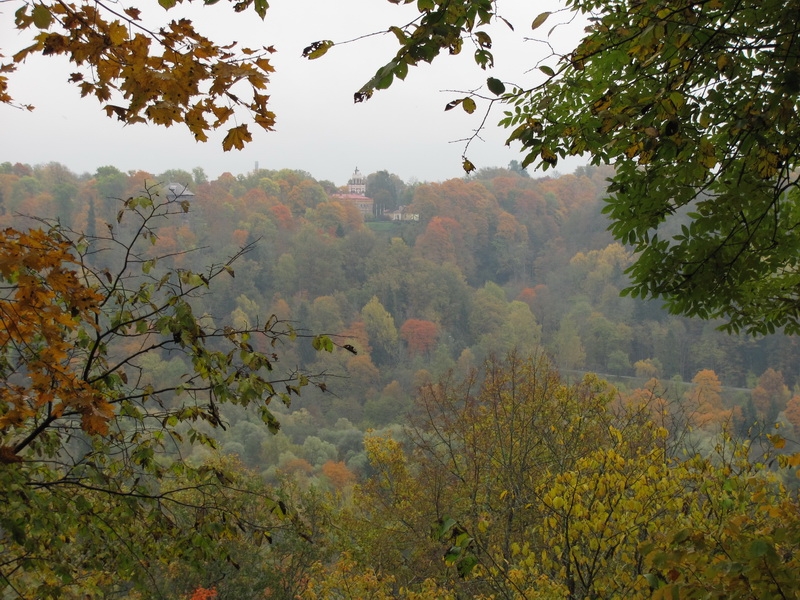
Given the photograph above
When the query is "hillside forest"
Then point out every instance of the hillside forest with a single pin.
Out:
(483, 413)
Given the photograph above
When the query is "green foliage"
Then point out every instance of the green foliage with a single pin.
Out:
(695, 105)
(90, 439)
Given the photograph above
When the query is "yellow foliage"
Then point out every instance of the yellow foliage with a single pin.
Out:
(149, 73)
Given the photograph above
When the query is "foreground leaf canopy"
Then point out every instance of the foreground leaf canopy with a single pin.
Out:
(167, 75)
(695, 104)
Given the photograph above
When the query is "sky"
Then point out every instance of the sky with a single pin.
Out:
(319, 128)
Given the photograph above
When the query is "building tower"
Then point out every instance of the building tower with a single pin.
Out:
(357, 184)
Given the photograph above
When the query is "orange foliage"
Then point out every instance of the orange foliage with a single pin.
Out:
(255, 199)
(297, 465)
(705, 399)
(362, 371)
(770, 395)
(283, 216)
(650, 399)
(528, 295)
(353, 218)
(338, 474)
(202, 593)
(508, 227)
(793, 414)
(167, 242)
(46, 303)
(281, 309)
(436, 243)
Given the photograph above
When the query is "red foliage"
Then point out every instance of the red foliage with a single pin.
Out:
(202, 593)
(419, 335)
(527, 295)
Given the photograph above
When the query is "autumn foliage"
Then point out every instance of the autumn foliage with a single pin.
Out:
(338, 474)
(204, 594)
(143, 73)
(89, 439)
(43, 303)
(420, 335)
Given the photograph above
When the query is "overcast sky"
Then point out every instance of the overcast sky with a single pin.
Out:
(319, 129)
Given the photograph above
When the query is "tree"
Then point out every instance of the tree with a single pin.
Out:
(420, 335)
(695, 105)
(770, 395)
(705, 401)
(793, 413)
(145, 72)
(95, 491)
(381, 329)
(386, 189)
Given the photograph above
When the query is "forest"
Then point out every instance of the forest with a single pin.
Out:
(572, 386)
(243, 388)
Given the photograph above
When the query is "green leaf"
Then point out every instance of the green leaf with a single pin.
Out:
(384, 82)
(495, 86)
(484, 41)
(759, 548)
(261, 7)
(401, 70)
(539, 20)
(399, 34)
(467, 564)
(468, 104)
(453, 554)
(42, 17)
(547, 70)
(681, 536)
(322, 342)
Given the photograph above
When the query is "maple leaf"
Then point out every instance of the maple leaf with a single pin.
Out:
(237, 137)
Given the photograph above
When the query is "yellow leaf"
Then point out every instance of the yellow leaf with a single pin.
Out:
(117, 32)
(777, 441)
(237, 137)
(317, 49)
(468, 104)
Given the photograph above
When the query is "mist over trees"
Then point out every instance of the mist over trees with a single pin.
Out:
(395, 320)
(252, 386)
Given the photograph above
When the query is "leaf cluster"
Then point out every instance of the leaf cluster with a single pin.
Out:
(166, 76)
(695, 106)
